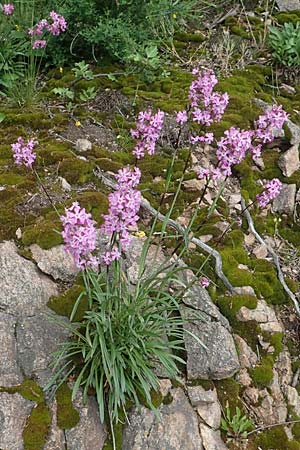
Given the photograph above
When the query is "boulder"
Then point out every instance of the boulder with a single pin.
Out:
(285, 202)
(289, 161)
(176, 429)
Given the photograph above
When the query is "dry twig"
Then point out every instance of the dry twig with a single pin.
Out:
(274, 257)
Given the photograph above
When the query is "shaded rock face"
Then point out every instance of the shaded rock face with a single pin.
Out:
(217, 357)
(177, 429)
(285, 202)
(14, 410)
(55, 262)
(27, 340)
(288, 5)
(289, 161)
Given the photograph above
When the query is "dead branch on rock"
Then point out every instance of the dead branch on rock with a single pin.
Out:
(176, 226)
(274, 257)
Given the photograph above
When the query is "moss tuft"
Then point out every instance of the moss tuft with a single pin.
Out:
(63, 304)
(44, 233)
(276, 439)
(67, 416)
(229, 393)
(37, 427)
(262, 374)
(76, 171)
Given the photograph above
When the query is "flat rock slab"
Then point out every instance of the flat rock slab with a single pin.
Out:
(177, 428)
(285, 202)
(55, 262)
(37, 339)
(90, 433)
(10, 373)
(24, 290)
(288, 5)
(217, 357)
(14, 410)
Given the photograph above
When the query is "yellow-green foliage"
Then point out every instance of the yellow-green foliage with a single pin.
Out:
(276, 439)
(45, 233)
(28, 389)
(67, 416)
(229, 393)
(36, 428)
(262, 374)
(64, 303)
(76, 171)
(230, 306)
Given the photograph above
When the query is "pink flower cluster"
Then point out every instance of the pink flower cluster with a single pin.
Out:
(23, 153)
(207, 106)
(147, 132)
(265, 124)
(8, 9)
(39, 43)
(58, 26)
(272, 190)
(80, 234)
(204, 282)
(124, 204)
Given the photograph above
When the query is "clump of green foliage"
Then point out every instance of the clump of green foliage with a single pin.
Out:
(237, 425)
(285, 43)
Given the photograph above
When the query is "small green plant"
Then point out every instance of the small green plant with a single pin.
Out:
(88, 94)
(236, 426)
(64, 93)
(285, 43)
(82, 70)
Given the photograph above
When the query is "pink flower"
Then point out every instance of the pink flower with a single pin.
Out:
(204, 282)
(8, 9)
(124, 204)
(80, 236)
(147, 132)
(181, 117)
(39, 44)
(272, 190)
(59, 24)
(23, 153)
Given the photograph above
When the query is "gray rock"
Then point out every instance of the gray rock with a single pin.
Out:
(14, 410)
(207, 405)
(289, 161)
(23, 289)
(90, 433)
(288, 5)
(177, 428)
(293, 128)
(37, 339)
(293, 399)
(285, 202)
(199, 299)
(55, 262)
(83, 145)
(10, 373)
(216, 358)
(263, 314)
(56, 438)
(247, 357)
(211, 438)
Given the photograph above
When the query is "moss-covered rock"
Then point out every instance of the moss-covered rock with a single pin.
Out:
(262, 374)
(37, 427)
(44, 232)
(76, 171)
(64, 303)
(67, 416)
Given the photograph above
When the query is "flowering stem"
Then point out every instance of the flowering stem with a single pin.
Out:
(46, 192)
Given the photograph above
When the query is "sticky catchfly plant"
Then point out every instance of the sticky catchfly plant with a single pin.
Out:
(23, 152)
(80, 234)
(8, 9)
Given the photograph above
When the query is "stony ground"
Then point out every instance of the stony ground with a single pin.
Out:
(251, 359)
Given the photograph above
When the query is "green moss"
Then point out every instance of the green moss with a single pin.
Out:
(208, 385)
(108, 165)
(29, 389)
(36, 428)
(274, 438)
(94, 202)
(275, 340)
(229, 393)
(262, 374)
(11, 179)
(67, 416)
(63, 304)
(76, 171)
(230, 306)
(239, 31)
(45, 233)
(289, 16)
(296, 431)
(189, 37)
